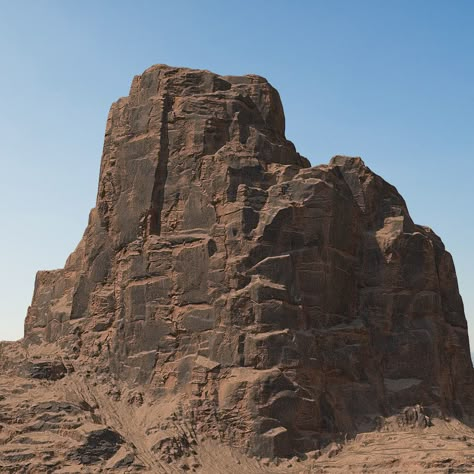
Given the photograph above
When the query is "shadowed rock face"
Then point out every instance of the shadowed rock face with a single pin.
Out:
(291, 302)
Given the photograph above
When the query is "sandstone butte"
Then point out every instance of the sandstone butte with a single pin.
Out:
(232, 309)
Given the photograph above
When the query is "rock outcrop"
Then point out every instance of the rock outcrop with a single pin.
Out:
(280, 305)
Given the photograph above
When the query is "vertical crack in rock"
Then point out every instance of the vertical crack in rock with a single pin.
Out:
(161, 173)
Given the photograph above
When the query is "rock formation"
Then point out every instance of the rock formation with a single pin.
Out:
(277, 305)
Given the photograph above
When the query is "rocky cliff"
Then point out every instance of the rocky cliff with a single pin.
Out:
(272, 304)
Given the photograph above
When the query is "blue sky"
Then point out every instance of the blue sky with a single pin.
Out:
(392, 82)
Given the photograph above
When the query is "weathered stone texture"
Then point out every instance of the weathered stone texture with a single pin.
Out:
(294, 302)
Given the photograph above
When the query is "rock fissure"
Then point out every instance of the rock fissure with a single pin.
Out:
(161, 173)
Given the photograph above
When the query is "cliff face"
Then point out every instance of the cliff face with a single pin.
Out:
(281, 303)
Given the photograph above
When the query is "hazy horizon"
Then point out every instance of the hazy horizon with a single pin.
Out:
(393, 84)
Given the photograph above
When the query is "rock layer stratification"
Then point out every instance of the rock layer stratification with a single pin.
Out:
(281, 304)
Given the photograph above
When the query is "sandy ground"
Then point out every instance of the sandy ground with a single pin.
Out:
(42, 423)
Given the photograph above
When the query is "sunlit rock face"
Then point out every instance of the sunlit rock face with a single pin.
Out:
(290, 302)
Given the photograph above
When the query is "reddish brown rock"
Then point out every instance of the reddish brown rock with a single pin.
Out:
(281, 304)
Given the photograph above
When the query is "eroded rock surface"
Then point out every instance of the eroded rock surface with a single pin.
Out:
(277, 305)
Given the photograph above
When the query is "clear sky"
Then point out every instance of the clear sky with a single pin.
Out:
(390, 81)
